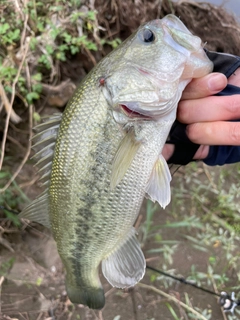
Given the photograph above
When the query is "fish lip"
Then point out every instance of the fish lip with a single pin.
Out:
(132, 114)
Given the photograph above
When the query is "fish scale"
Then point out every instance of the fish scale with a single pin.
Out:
(107, 156)
(99, 202)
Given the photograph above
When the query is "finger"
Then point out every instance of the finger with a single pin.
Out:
(212, 108)
(201, 153)
(205, 86)
(215, 133)
(168, 151)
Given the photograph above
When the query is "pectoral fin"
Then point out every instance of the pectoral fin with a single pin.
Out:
(158, 188)
(124, 157)
(126, 266)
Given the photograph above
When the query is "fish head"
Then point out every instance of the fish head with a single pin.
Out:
(147, 73)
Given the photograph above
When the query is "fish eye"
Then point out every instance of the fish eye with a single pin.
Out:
(148, 36)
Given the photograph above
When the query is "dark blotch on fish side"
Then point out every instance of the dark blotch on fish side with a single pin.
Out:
(79, 292)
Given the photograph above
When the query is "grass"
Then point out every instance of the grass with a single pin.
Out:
(36, 39)
(202, 220)
(197, 236)
(11, 198)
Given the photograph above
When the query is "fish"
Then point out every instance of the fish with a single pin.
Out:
(102, 156)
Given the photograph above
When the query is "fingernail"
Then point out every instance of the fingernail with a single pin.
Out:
(217, 82)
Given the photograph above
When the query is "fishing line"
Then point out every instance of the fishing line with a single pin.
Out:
(182, 280)
(226, 300)
(176, 169)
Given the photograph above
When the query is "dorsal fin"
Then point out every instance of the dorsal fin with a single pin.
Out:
(44, 143)
(37, 210)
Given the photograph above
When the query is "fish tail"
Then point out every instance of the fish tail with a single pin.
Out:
(90, 296)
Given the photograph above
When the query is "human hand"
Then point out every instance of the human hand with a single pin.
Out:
(206, 115)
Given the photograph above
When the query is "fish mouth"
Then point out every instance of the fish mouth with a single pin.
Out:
(133, 114)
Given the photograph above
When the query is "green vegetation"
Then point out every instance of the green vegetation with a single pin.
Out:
(11, 198)
(201, 221)
(36, 39)
(40, 34)
(197, 236)
(6, 266)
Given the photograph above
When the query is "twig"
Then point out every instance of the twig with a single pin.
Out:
(180, 2)
(1, 282)
(134, 304)
(17, 129)
(13, 116)
(28, 183)
(91, 57)
(168, 296)
(181, 310)
(9, 113)
(100, 315)
(17, 9)
(40, 316)
(15, 142)
(206, 171)
(13, 94)
(26, 155)
(138, 222)
(109, 292)
(230, 26)
(6, 244)
(216, 290)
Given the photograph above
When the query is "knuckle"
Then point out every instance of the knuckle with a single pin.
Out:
(183, 110)
(235, 133)
(202, 152)
(193, 132)
(233, 105)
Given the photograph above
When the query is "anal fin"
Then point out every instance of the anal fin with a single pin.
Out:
(158, 188)
(126, 266)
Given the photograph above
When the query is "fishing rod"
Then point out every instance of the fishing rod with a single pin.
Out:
(226, 300)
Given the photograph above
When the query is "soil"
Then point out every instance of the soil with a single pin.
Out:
(31, 272)
(33, 287)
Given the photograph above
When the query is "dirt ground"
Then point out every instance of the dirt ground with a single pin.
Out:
(31, 272)
(33, 287)
(33, 284)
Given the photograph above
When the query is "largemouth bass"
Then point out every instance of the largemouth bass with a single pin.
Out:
(103, 155)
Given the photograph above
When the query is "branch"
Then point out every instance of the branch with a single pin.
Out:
(168, 296)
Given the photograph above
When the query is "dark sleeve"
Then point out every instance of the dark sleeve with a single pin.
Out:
(218, 155)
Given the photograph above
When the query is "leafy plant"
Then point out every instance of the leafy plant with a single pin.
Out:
(6, 266)
(11, 198)
(202, 218)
